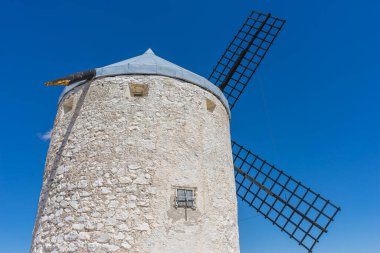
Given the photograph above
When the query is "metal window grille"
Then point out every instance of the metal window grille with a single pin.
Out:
(297, 210)
(185, 198)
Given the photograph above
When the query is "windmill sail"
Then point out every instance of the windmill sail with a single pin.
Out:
(297, 210)
(244, 54)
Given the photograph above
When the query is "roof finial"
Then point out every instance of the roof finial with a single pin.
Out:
(149, 51)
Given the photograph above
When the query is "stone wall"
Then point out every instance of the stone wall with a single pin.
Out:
(114, 163)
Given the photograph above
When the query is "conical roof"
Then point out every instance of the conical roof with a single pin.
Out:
(150, 64)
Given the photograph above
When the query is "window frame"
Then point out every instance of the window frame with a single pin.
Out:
(179, 203)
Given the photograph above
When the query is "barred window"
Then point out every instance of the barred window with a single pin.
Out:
(185, 198)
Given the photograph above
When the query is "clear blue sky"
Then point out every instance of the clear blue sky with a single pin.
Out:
(313, 107)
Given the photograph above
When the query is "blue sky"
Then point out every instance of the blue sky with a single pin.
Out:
(313, 108)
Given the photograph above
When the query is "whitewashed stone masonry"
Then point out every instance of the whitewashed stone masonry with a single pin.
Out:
(114, 163)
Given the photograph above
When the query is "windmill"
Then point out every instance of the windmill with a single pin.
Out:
(298, 211)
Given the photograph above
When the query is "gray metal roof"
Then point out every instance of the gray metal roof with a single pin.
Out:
(150, 64)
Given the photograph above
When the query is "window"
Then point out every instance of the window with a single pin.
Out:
(138, 90)
(210, 105)
(185, 198)
(68, 105)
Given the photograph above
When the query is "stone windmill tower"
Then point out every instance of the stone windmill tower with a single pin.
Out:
(141, 160)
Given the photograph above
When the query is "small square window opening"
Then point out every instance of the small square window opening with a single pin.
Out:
(185, 198)
(68, 105)
(138, 90)
(210, 105)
